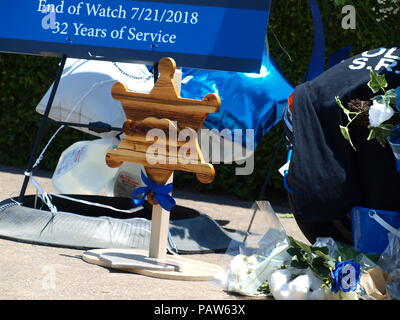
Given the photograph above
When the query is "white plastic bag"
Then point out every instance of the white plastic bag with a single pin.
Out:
(84, 92)
(390, 262)
(82, 168)
(247, 273)
(262, 251)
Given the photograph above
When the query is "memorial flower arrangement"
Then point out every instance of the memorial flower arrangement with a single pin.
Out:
(312, 274)
(294, 271)
(270, 263)
(381, 111)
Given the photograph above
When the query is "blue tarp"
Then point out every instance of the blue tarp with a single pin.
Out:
(249, 101)
(256, 101)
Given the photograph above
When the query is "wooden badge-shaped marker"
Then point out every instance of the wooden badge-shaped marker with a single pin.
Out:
(153, 137)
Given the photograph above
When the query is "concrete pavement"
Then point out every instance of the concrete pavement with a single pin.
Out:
(30, 271)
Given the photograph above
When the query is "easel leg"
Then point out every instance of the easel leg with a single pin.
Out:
(159, 233)
(265, 184)
(42, 126)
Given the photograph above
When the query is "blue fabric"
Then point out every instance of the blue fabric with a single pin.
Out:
(249, 101)
(317, 63)
(255, 101)
(286, 172)
(161, 193)
(339, 56)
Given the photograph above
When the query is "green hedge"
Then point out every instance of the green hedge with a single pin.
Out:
(25, 79)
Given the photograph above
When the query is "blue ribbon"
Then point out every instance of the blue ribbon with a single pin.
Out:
(161, 193)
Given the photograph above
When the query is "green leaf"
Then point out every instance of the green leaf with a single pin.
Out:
(380, 133)
(323, 255)
(346, 134)
(390, 96)
(320, 268)
(293, 251)
(380, 99)
(377, 81)
(324, 250)
(299, 264)
(292, 242)
(264, 288)
(346, 111)
(330, 264)
(299, 244)
(387, 99)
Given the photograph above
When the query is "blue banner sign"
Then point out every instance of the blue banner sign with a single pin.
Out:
(207, 34)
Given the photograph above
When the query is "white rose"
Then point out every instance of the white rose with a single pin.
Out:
(300, 287)
(239, 266)
(379, 112)
(306, 286)
(283, 289)
(279, 277)
(315, 283)
(279, 284)
(318, 292)
(252, 260)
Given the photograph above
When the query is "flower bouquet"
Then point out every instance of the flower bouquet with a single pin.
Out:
(297, 271)
(381, 112)
(287, 269)
(312, 274)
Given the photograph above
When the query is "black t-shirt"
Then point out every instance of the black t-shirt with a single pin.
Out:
(328, 177)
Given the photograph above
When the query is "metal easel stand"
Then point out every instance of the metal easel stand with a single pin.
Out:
(41, 130)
